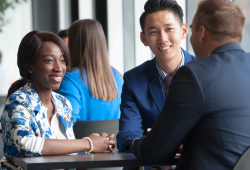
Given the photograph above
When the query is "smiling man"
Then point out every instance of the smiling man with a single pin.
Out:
(145, 86)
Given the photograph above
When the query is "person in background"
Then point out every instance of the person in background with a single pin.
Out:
(207, 107)
(37, 121)
(63, 34)
(145, 86)
(92, 86)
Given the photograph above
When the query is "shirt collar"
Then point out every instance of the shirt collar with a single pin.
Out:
(162, 73)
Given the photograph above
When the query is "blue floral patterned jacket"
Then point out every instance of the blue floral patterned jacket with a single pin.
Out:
(24, 123)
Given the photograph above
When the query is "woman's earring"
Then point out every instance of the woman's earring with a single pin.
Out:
(30, 72)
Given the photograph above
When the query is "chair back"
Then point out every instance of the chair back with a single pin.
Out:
(243, 162)
(85, 128)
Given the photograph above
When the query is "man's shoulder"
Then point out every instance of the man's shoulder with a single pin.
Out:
(141, 70)
(188, 56)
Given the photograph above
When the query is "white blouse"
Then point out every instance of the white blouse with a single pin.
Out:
(56, 126)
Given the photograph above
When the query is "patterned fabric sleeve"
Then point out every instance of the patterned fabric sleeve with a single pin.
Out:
(20, 129)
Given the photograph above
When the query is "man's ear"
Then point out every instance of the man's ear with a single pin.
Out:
(202, 34)
(143, 39)
(184, 31)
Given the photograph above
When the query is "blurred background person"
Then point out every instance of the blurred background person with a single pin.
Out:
(63, 34)
(91, 85)
(43, 118)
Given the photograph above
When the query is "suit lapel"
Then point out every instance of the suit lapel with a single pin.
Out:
(155, 86)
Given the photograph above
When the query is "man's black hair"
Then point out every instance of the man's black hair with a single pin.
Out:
(152, 6)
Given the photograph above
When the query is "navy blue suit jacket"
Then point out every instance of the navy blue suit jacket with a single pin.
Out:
(142, 99)
(208, 110)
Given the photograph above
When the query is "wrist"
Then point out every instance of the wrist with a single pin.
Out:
(91, 145)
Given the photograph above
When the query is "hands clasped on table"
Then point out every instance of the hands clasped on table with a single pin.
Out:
(102, 142)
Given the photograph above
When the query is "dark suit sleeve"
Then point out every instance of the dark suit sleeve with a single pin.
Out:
(181, 112)
(130, 120)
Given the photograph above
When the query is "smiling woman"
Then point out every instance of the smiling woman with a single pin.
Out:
(37, 121)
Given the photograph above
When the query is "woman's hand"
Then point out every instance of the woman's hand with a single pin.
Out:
(102, 142)
(110, 138)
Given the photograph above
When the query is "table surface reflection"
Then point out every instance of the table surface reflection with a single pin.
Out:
(97, 160)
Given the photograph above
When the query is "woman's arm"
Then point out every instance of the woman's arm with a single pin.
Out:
(101, 143)
(22, 136)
